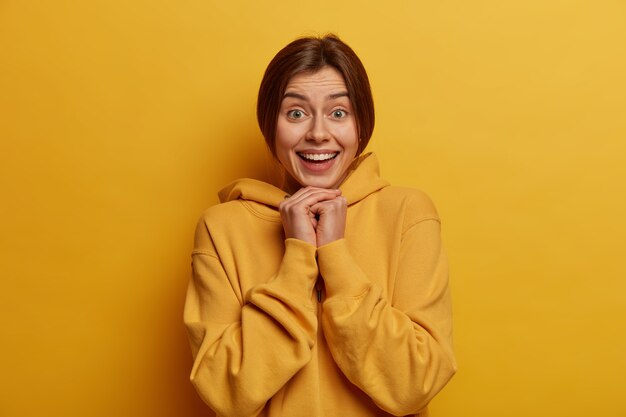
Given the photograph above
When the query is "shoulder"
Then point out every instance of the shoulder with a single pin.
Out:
(414, 204)
(214, 221)
(219, 213)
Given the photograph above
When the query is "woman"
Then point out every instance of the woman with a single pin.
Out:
(328, 297)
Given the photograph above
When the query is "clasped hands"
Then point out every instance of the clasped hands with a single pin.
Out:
(314, 215)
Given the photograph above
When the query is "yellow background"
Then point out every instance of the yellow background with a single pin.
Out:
(119, 121)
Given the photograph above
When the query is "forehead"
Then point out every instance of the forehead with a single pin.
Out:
(328, 78)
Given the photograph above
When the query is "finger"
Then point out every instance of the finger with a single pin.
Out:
(310, 197)
(305, 191)
(313, 219)
(338, 203)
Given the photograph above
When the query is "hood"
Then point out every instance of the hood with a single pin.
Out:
(362, 180)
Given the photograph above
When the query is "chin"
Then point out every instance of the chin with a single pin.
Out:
(320, 183)
(295, 183)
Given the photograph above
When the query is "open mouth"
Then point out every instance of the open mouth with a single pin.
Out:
(317, 157)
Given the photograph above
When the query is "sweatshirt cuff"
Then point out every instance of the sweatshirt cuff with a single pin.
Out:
(298, 260)
(342, 276)
(296, 275)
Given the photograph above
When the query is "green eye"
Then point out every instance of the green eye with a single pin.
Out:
(295, 114)
(339, 114)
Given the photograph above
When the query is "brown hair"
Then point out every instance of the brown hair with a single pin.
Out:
(311, 54)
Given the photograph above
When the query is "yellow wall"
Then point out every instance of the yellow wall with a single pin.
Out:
(119, 120)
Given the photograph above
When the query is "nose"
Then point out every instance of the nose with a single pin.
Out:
(318, 131)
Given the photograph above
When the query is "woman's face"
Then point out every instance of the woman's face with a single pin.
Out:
(316, 133)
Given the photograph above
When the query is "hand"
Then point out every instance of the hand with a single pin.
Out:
(299, 219)
(331, 223)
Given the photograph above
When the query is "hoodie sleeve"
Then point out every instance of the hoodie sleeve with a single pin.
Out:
(246, 349)
(398, 351)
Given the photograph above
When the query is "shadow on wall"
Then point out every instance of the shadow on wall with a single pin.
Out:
(246, 156)
(171, 360)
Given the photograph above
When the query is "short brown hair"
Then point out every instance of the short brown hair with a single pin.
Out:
(311, 54)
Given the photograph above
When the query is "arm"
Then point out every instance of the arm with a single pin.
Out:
(398, 351)
(236, 371)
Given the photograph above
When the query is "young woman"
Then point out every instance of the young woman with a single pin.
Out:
(328, 296)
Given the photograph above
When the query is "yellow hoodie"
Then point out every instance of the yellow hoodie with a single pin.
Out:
(358, 327)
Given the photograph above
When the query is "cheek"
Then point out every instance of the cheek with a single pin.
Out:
(288, 133)
(282, 151)
(281, 143)
(282, 157)
(283, 146)
(349, 138)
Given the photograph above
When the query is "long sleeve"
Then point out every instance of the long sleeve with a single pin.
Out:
(397, 350)
(247, 348)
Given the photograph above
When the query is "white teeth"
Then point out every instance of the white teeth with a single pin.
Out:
(318, 156)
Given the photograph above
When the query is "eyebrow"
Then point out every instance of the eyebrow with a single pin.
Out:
(304, 98)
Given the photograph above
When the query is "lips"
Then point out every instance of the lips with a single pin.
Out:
(317, 157)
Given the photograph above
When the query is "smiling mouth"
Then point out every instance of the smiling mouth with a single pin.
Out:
(317, 157)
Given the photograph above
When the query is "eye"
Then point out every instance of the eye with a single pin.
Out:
(339, 114)
(295, 114)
